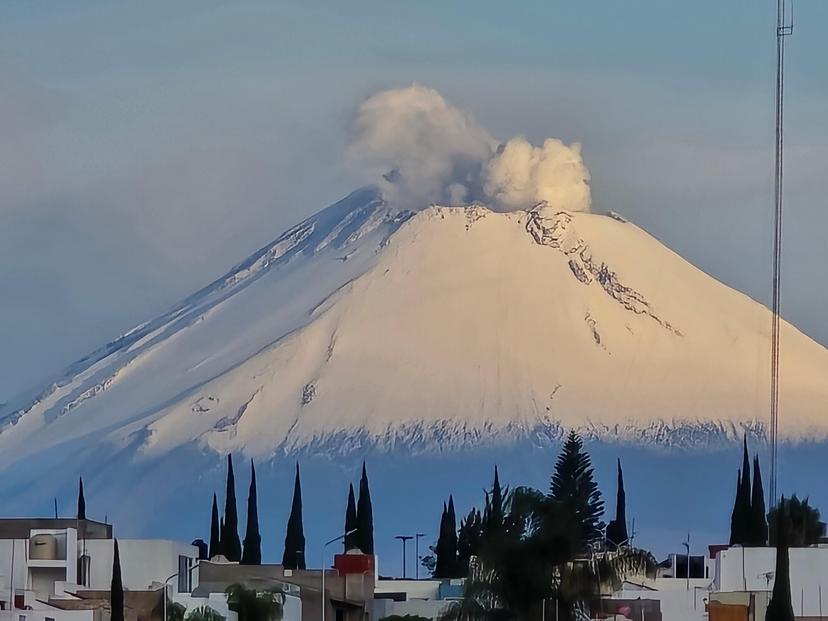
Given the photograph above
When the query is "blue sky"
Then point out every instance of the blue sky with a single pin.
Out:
(146, 147)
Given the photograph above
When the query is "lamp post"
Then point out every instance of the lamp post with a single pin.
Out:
(417, 554)
(324, 547)
(686, 544)
(403, 539)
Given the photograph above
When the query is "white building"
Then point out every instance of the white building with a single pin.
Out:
(46, 565)
(423, 598)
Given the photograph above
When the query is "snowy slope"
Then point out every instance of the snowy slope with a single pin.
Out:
(366, 327)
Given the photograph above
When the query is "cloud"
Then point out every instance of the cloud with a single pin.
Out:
(420, 149)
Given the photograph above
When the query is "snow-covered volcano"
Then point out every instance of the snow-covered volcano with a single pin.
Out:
(369, 327)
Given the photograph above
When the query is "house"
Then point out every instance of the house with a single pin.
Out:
(58, 569)
(423, 598)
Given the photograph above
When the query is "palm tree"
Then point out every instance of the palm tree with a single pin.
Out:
(253, 605)
(537, 557)
(805, 527)
(204, 613)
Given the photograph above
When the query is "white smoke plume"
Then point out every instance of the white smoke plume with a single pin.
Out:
(420, 149)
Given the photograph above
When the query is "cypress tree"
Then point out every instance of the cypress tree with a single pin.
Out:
(294, 556)
(215, 533)
(758, 519)
(116, 591)
(780, 607)
(737, 515)
(365, 516)
(617, 528)
(252, 554)
(81, 501)
(745, 492)
(574, 487)
(446, 565)
(494, 510)
(230, 543)
(469, 536)
(351, 523)
(221, 534)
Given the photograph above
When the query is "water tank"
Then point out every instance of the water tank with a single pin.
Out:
(43, 547)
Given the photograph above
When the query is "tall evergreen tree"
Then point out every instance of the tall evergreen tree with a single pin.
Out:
(737, 518)
(758, 518)
(780, 607)
(215, 533)
(116, 591)
(365, 515)
(230, 543)
(252, 553)
(469, 536)
(351, 523)
(446, 565)
(221, 534)
(494, 511)
(81, 501)
(574, 487)
(294, 556)
(617, 528)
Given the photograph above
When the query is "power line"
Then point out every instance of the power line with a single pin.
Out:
(784, 28)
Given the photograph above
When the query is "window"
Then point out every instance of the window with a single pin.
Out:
(185, 564)
(84, 566)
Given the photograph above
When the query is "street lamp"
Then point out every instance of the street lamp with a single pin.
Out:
(403, 539)
(324, 547)
(417, 554)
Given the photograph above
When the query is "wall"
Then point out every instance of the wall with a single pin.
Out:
(145, 563)
(414, 589)
(428, 608)
(809, 575)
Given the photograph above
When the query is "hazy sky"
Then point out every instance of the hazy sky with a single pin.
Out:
(146, 147)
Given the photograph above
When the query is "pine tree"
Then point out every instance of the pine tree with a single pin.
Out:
(221, 534)
(780, 607)
(758, 519)
(574, 487)
(365, 516)
(294, 556)
(81, 501)
(215, 533)
(617, 528)
(230, 543)
(116, 591)
(351, 523)
(252, 553)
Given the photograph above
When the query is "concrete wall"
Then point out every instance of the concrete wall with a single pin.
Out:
(752, 569)
(428, 608)
(414, 589)
(145, 563)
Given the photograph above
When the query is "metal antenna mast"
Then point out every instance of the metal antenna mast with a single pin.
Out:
(784, 28)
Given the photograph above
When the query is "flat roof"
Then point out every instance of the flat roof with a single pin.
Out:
(20, 528)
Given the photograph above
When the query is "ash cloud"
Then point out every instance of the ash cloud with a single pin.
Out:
(420, 149)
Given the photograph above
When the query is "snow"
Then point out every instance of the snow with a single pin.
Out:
(445, 328)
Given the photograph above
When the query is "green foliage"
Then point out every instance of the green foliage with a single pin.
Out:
(116, 590)
(758, 522)
(294, 555)
(446, 548)
(175, 611)
(215, 531)
(351, 524)
(617, 528)
(804, 526)
(576, 491)
(545, 549)
(81, 501)
(252, 605)
(780, 607)
(204, 613)
(365, 515)
(252, 554)
(230, 544)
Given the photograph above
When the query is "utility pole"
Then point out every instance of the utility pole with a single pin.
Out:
(784, 28)
(403, 539)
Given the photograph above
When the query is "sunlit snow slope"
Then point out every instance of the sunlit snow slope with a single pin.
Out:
(449, 327)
